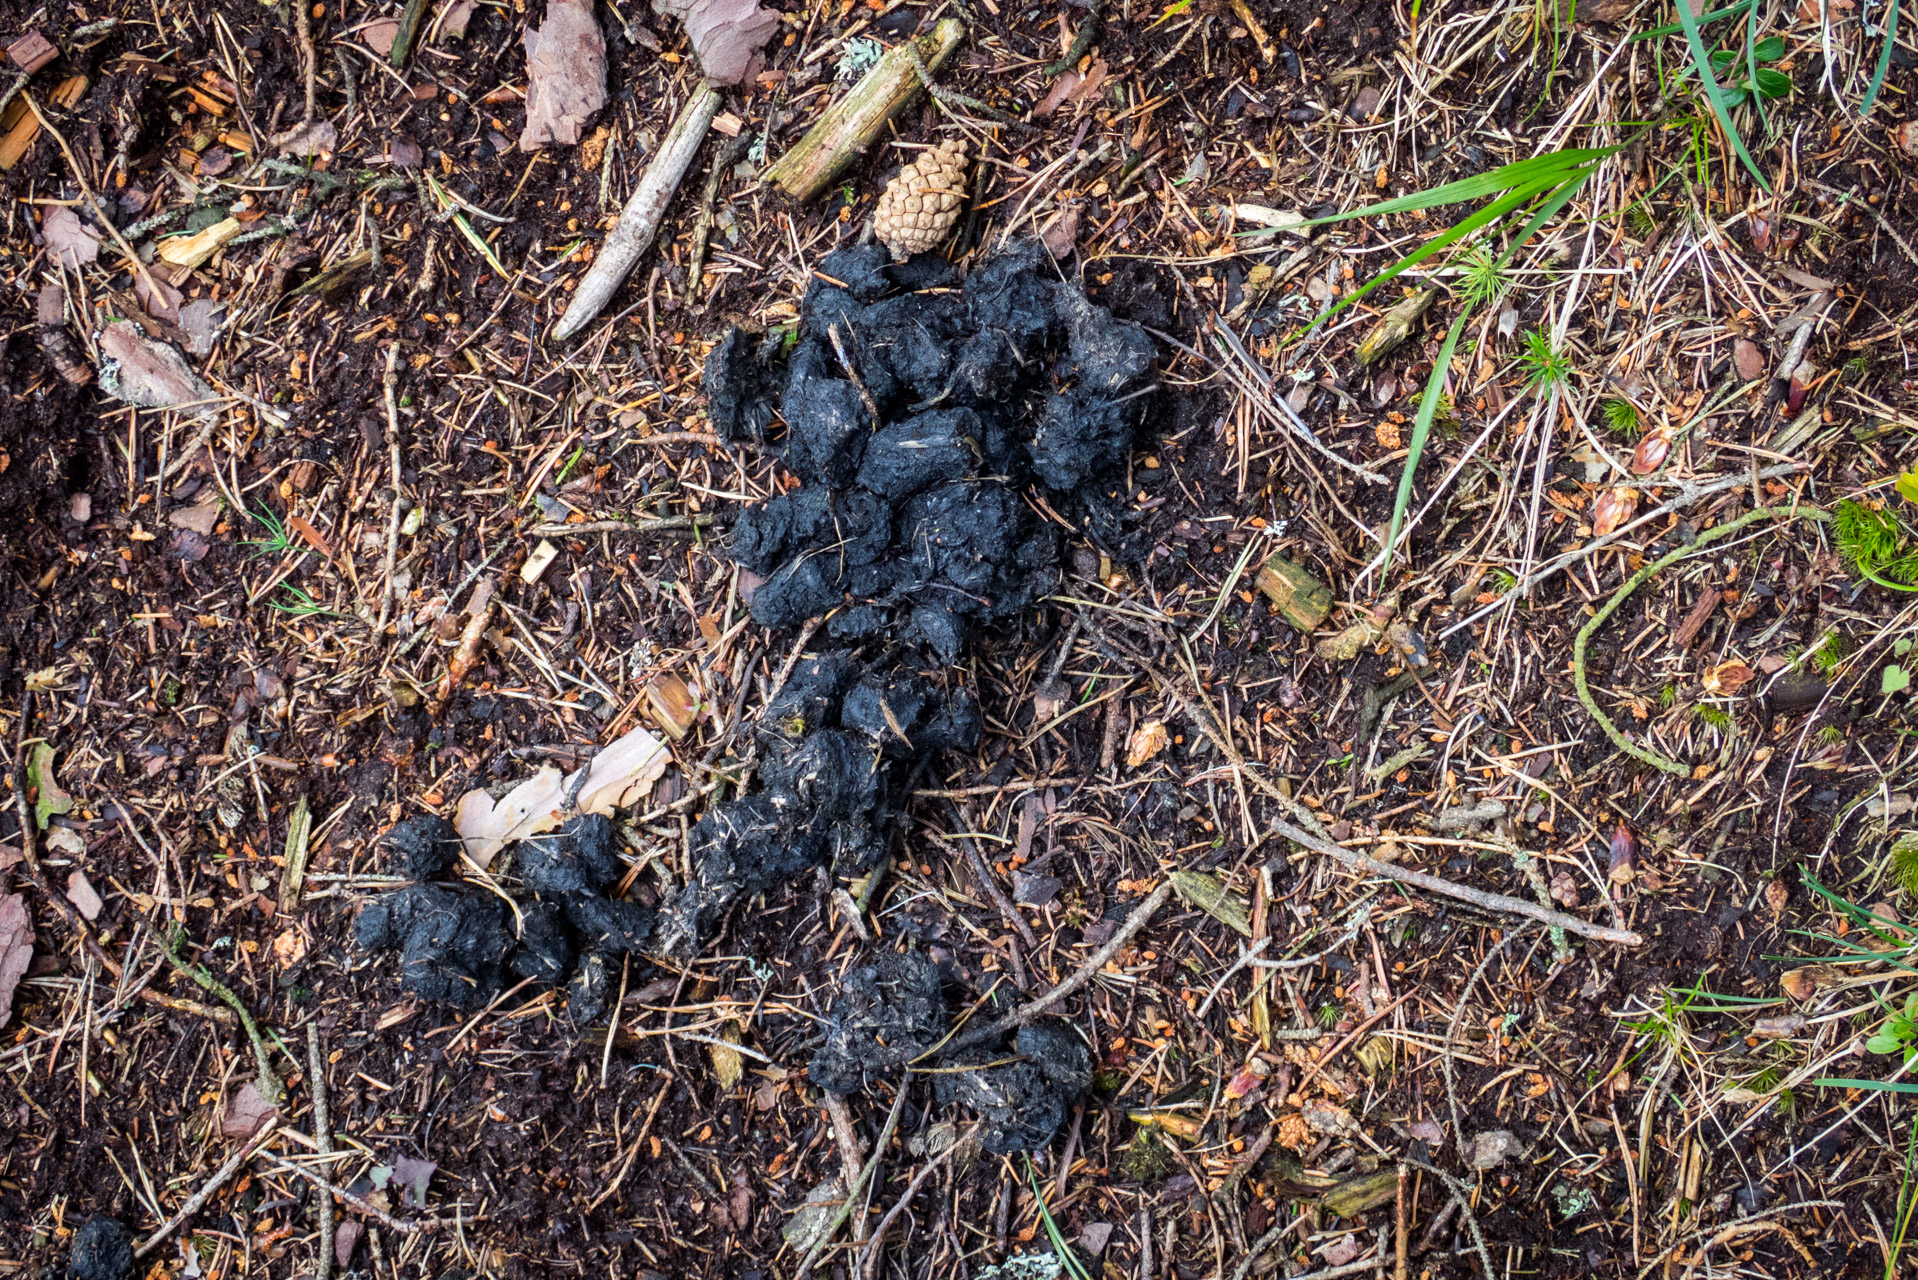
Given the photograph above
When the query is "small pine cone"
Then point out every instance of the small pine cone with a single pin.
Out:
(918, 207)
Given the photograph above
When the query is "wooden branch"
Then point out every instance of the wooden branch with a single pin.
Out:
(639, 220)
(851, 124)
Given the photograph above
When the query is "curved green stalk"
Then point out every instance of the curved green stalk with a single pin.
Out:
(1633, 583)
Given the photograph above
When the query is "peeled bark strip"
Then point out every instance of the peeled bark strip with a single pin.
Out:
(851, 124)
(639, 220)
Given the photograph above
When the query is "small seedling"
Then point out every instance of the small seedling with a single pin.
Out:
(1621, 416)
(1765, 82)
(1545, 365)
(278, 538)
(1481, 277)
(1899, 1033)
(302, 605)
(1875, 545)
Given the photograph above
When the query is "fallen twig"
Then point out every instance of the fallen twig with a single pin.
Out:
(870, 1258)
(632, 1152)
(1086, 973)
(859, 1182)
(639, 220)
(359, 1203)
(656, 524)
(322, 1138)
(1202, 717)
(1477, 897)
(390, 384)
(205, 1193)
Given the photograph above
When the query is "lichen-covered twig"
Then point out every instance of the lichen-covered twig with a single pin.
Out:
(322, 1138)
(269, 1082)
(1584, 638)
(853, 123)
(1082, 38)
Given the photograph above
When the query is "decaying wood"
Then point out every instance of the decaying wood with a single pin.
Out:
(851, 124)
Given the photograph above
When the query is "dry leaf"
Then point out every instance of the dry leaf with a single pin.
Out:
(311, 139)
(1065, 84)
(1062, 232)
(200, 319)
(1728, 678)
(1206, 893)
(411, 1176)
(487, 827)
(726, 35)
(1613, 508)
(565, 75)
(68, 238)
(201, 517)
(246, 1111)
(16, 949)
(81, 894)
(346, 1238)
(162, 301)
(380, 34)
(453, 20)
(143, 372)
(617, 777)
(1749, 360)
(1147, 740)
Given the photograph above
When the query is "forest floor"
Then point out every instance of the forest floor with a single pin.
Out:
(226, 638)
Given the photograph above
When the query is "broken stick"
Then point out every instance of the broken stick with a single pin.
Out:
(851, 124)
(639, 220)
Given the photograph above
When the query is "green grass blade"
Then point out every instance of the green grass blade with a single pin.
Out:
(1704, 20)
(1422, 427)
(1884, 61)
(1450, 236)
(1883, 1086)
(1540, 173)
(1702, 63)
(1553, 203)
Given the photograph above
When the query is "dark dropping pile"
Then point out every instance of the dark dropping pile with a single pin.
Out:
(891, 1012)
(919, 410)
(102, 1250)
(831, 747)
(460, 945)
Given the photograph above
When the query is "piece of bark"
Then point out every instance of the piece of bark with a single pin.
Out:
(16, 949)
(31, 52)
(1395, 326)
(1301, 597)
(851, 124)
(639, 220)
(1695, 620)
(565, 75)
(726, 35)
(147, 373)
